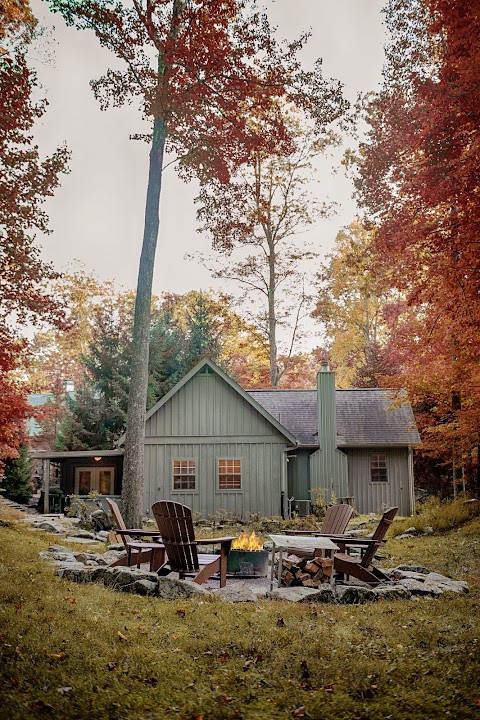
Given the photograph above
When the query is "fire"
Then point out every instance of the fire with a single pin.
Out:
(247, 542)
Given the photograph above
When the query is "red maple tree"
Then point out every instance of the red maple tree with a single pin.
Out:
(26, 180)
(419, 178)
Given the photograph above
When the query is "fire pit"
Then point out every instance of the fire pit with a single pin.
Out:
(247, 558)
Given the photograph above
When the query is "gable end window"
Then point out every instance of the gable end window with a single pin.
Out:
(378, 467)
(229, 474)
(184, 474)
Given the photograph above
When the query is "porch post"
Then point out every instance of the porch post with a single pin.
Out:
(46, 484)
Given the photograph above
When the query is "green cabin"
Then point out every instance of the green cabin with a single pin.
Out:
(215, 447)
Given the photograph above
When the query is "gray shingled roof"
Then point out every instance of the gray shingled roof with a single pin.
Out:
(364, 417)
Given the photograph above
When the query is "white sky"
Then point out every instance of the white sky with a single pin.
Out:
(97, 214)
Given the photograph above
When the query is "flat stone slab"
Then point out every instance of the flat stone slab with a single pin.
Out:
(303, 594)
(241, 592)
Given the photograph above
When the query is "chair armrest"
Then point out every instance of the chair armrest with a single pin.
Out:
(215, 541)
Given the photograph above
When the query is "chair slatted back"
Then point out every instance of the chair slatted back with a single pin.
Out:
(336, 519)
(176, 526)
(118, 519)
(378, 535)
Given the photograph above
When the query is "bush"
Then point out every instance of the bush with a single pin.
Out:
(16, 484)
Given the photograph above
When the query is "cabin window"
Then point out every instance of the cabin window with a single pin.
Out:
(378, 467)
(229, 474)
(184, 474)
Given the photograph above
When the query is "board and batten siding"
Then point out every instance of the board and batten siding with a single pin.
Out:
(328, 472)
(378, 496)
(207, 420)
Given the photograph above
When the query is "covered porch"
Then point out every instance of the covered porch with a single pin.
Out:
(80, 472)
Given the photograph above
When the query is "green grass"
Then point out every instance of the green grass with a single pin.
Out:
(211, 660)
(439, 515)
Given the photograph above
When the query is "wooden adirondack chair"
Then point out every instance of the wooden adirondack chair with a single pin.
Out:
(362, 567)
(176, 526)
(138, 552)
(335, 521)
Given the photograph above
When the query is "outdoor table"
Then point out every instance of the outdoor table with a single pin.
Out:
(284, 542)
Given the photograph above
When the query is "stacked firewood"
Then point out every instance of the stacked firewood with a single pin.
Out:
(309, 572)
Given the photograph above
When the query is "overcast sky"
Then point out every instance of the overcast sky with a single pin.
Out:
(97, 214)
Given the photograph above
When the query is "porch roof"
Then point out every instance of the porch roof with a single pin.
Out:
(65, 455)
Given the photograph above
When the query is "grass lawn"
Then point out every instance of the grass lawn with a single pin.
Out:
(83, 651)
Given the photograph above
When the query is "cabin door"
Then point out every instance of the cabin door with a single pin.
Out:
(94, 479)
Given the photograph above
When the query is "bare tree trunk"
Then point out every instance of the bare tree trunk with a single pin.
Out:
(272, 317)
(133, 468)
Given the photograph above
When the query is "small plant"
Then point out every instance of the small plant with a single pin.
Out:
(82, 507)
(319, 501)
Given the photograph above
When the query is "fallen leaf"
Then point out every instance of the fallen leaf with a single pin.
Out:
(121, 636)
(299, 712)
(40, 706)
(58, 655)
(181, 612)
(281, 622)
(18, 607)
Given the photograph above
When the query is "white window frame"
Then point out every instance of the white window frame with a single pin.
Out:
(195, 475)
(378, 467)
(232, 473)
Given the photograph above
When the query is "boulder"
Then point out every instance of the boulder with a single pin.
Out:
(407, 574)
(392, 592)
(295, 594)
(52, 527)
(416, 587)
(122, 578)
(75, 572)
(446, 583)
(82, 534)
(241, 592)
(355, 594)
(413, 568)
(173, 589)
(144, 587)
(58, 553)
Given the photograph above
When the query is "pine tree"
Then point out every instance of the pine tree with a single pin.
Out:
(16, 483)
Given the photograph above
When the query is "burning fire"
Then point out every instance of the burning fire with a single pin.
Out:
(247, 542)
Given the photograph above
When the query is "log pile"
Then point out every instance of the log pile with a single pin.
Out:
(309, 572)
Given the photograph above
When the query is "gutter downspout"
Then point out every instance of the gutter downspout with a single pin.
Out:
(284, 479)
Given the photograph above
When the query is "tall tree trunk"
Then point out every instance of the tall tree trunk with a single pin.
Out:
(133, 468)
(272, 317)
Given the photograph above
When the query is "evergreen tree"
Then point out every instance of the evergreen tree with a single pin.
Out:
(16, 483)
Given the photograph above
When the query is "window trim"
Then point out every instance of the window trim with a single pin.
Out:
(182, 491)
(379, 467)
(229, 459)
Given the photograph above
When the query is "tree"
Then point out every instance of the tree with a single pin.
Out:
(257, 218)
(418, 178)
(16, 482)
(26, 181)
(213, 61)
(352, 303)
